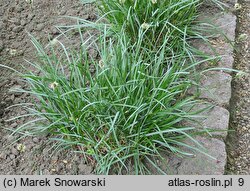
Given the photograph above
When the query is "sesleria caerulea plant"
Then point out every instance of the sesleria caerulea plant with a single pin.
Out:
(125, 108)
(127, 112)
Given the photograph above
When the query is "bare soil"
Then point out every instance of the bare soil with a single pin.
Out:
(18, 19)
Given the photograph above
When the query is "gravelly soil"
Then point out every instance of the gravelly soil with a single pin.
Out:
(239, 139)
(17, 19)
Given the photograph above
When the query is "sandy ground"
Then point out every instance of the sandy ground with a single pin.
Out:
(239, 139)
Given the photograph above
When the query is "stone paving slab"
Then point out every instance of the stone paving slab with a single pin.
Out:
(223, 44)
(221, 49)
(200, 164)
(215, 87)
(226, 23)
(215, 119)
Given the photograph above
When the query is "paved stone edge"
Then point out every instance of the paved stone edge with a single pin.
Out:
(216, 89)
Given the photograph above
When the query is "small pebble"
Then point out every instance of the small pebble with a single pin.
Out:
(13, 125)
(84, 169)
(14, 151)
(12, 156)
(35, 140)
(40, 26)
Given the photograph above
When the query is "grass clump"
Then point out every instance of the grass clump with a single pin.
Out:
(128, 106)
(156, 18)
(129, 110)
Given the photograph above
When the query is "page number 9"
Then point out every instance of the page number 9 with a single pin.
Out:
(241, 181)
